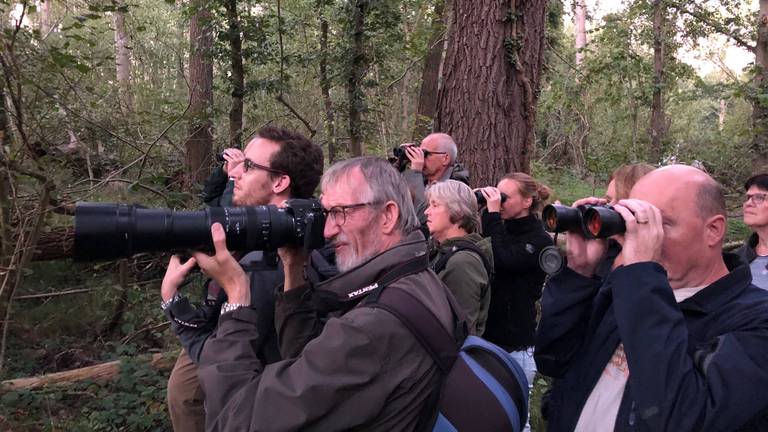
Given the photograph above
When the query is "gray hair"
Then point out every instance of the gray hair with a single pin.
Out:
(383, 184)
(460, 202)
(446, 144)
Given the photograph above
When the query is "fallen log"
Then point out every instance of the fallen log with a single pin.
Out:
(100, 373)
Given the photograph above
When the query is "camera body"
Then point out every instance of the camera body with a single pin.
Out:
(106, 231)
(593, 221)
(400, 157)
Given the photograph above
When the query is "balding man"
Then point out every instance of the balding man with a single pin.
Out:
(433, 161)
(675, 338)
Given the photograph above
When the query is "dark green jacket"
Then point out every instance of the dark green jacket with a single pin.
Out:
(467, 279)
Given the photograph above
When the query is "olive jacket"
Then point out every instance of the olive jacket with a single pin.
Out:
(364, 371)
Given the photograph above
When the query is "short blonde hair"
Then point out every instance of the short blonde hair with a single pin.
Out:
(460, 201)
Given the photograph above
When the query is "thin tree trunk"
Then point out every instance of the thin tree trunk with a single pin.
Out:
(488, 99)
(430, 75)
(6, 231)
(721, 113)
(325, 86)
(123, 58)
(358, 64)
(199, 144)
(658, 121)
(581, 30)
(760, 83)
(238, 75)
(46, 20)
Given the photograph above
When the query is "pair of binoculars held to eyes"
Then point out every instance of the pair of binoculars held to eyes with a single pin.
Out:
(594, 221)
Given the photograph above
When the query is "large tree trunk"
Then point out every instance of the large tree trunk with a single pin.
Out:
(123, 58)
(325, 85)
(760, 82)
(238, 75)
(490, 84)
(430, 74)
(580, 16)
(658, 121)
(357, 66)
(199, 144)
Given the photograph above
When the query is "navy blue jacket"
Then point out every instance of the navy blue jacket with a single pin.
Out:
(701, 365)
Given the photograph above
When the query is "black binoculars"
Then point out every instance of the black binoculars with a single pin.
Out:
(481, 198)
(594, 221)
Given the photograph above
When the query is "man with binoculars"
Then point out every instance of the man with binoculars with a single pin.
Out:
(676, 336)
(277, 165)
(433, 161)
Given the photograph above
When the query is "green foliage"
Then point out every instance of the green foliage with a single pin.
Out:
(135, 402)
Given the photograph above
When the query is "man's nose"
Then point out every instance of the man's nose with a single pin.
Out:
(331, 228)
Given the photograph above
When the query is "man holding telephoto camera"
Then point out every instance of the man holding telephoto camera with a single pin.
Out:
(277, 165)
(365, 370)
(675, 338)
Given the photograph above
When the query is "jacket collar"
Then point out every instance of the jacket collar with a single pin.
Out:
(345, 290)
(722, 290)
(523, 225)
(750, 244)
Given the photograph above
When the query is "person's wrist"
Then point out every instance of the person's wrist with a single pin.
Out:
(166, 303)
(228, 307)
(583, 269)
(294, 277)
(167, 293)
(417, 166)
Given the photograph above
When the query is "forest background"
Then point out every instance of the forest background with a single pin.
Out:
(129, 100)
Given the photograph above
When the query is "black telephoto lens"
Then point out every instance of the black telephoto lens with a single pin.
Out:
(105, 231)
(559, 218)
(603, 222)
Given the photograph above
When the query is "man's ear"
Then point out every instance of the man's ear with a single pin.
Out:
(714, 230)
(389, 217)
(280, 183)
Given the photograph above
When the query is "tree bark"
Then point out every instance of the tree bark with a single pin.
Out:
(6, 231)
(760, 83)
(237, 81)
(430, 74)
(123, 58)
(46, 21)
(199, 144)
(490, 84)
(325, 85)
(658, 120)
(357, 66)
(580, 17)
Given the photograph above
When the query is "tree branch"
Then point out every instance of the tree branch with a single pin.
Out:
(312, 131)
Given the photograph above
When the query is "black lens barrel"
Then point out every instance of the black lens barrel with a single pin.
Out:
(105, 231)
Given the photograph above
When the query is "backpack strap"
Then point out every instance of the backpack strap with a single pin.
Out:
(462, 245)
(423, 324)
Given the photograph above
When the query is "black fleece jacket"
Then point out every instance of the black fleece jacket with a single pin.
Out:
(517, 285)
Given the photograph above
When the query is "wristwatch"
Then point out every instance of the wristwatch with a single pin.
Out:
(166, 304)
(229, 307)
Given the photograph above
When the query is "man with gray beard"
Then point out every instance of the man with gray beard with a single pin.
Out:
(365, 370)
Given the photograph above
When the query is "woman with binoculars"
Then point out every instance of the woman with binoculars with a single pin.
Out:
(517, 238)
